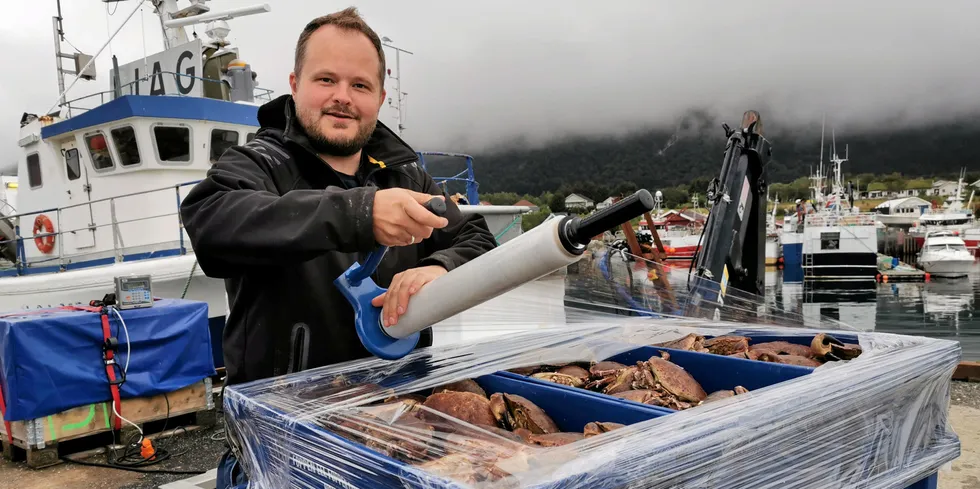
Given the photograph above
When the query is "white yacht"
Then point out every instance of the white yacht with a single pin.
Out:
(952, 216)
(944, 254)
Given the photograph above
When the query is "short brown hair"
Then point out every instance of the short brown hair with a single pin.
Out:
(344, 19)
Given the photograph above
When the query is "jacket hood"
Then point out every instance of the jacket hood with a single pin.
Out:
(383, 149)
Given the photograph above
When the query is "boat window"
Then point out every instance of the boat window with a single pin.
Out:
(99, 151)
(221, 140)
(72, 164)
(173, 143)
(125, 140)
(250, 136)
(34, 170)
(957, 246)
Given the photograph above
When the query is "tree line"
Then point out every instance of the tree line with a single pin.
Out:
(673, 160)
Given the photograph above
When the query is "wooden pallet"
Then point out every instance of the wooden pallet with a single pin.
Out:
(968, 371)
(42, 439)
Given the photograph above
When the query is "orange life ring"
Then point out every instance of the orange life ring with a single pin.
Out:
(43, 243)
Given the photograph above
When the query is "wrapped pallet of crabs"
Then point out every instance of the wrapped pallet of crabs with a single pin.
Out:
(625, 403)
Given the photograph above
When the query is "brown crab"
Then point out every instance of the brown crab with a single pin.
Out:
(465, 467)
(784, 348)
(569, 375)
(465, 406)
(657, 382)
(406, 437)
(674, 379)
(723, 394)
(466, 385)
(798, 360)
(555, 439)
(757, 354)
(604, 373)
(512, 411)
(599, 427)
(415, 398)
(691, 342)
(727, 345)
(826, 347)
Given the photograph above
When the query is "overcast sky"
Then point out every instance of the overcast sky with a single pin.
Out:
(486, 72)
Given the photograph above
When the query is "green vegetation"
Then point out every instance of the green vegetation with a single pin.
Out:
(680, 161)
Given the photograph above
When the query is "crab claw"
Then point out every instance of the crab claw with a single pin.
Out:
(821, 346)
(826, 347)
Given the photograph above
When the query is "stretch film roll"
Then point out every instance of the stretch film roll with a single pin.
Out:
(534, 255)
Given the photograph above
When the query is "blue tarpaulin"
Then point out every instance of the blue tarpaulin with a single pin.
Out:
(51, 360)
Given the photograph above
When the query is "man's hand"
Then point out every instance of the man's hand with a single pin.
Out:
(404, 285)
(400, 218)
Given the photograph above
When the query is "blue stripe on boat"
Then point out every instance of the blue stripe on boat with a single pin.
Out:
(160, 106)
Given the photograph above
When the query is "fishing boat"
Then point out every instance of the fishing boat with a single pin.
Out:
(679, 231)
(791, 232)
(100, 178)
(944, 254)
(900, 212)
(772, 235)
(953, 216)
(840, 243)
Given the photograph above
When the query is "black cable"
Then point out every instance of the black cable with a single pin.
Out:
(135, 469)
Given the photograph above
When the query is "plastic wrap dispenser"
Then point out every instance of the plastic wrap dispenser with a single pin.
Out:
(552, 245)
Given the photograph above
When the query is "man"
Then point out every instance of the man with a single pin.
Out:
(321, 185)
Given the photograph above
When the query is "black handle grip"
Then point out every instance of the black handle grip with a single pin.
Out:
(624, 210)
(436, 206)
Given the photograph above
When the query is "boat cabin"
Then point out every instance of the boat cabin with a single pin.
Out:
(909, 206)
(106, 185)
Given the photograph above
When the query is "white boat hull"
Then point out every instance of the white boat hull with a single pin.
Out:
(946, 266)
(169, 276)
(772, 250)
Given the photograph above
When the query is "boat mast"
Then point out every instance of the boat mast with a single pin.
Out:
(166, 10)
(83, 62)
(837, 187)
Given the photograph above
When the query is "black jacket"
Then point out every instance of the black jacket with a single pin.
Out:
(279, 225)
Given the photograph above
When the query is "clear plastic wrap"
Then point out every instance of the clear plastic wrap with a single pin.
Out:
(869, 413)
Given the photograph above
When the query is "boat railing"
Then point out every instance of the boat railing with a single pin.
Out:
(60, 261)
(129, 89)
(6, 210)
(833, 220)
(468, 176)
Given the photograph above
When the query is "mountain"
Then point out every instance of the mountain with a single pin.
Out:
(660, 158)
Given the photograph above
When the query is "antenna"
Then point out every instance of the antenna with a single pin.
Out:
(833, 139)
(823, 128)
(399, 94)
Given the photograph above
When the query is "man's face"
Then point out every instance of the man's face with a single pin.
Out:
(338, 92)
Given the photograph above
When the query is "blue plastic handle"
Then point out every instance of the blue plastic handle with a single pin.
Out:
(360, 289)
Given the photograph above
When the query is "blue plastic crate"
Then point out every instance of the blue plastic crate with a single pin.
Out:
(713, 372)
(339, 462)
(716, 372)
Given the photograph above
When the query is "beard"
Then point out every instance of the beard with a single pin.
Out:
(322, 144)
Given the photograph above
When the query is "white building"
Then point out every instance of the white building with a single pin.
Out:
(943, 188)
(576, 201)
(605, 203)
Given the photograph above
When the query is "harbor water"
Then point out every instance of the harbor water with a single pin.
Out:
(939, 308)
